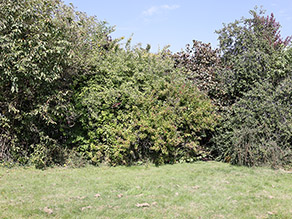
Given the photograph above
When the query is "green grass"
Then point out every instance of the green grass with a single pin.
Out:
(199, 190)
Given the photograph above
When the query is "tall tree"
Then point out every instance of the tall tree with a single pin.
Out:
(251, 49)
(44, 45)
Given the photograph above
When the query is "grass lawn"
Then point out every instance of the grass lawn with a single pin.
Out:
(198, 190)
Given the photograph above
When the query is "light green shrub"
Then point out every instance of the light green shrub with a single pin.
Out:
(137, 107)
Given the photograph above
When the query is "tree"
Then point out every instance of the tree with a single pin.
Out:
(256, 128)
(201, 64)
(251, 50)
(44, 47)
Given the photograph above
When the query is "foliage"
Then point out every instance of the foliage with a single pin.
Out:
(44, 46)
(65, 83)
(137, 107)
(202, 65)
(68, 92)
(251, 49)
(257, 129)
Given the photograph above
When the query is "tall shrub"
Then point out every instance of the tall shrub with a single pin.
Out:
(137, 107)
(256, 128)
(44, 46)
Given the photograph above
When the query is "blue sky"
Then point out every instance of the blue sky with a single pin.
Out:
(178, 22)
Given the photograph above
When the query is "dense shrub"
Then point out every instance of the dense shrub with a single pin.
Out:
(138, 108)
(44, 47)
(257, 129)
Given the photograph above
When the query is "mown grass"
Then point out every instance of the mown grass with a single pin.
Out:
(198, 190)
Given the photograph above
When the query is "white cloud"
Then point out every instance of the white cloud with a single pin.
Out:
(151, 11)
(170, 7)
(158, 9)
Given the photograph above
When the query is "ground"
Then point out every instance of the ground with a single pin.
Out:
(198, 190)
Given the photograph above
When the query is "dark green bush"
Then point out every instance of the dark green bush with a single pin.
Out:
(257, 130)
(138, 108)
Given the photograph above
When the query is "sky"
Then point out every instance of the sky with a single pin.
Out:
(178, 22)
